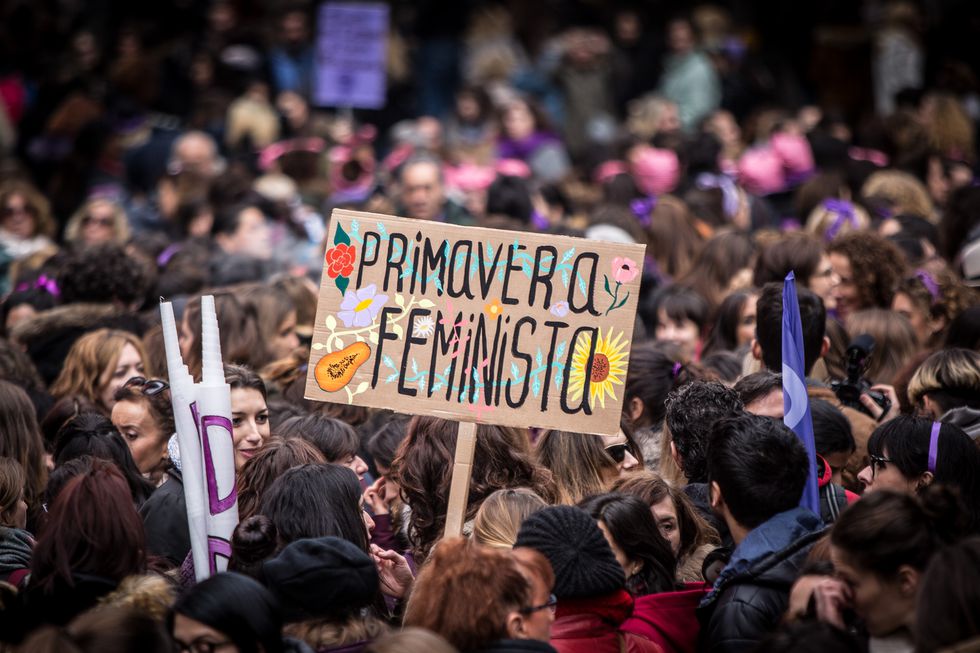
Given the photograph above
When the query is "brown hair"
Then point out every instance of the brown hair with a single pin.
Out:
(421, 468)
(673, 236)
(103, 630)
(715, 267)
(20, 439)
(88, 360)
(158, 405)
(501, 515)
(11, 485)
(895, 341)
(649, 487)
(270, 306)
(578, 462)
(902, 191)
(795, 251)
(876, 267)
(410, 640)
(238, 330)
(274, 457)
(485, 585)
(953, 296)
(303, 294)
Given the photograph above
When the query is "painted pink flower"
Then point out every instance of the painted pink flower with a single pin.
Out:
(624, 269)
(559, 309)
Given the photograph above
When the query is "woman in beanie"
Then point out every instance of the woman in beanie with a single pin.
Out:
(483, 600)
(325, 587)
(590, 584)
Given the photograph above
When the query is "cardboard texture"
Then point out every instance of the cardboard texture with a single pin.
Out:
(475, 325)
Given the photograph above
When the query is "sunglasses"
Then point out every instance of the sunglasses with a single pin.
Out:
(93, 220)
(17, 210)
(552, 605)
(147, 387)
(618, 451)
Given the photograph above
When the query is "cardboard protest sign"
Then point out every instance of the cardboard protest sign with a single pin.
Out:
(351, 47)
(474, 325)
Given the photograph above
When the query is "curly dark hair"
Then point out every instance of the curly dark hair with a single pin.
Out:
(692, 411)
(877, 265)
(424, 461)
(104, 274)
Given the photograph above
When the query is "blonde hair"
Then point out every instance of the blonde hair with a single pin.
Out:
(821, 220)
(410, 640)
(248, 118)
(948, 371)
(149, 595)
(577, 461)
(895, 341)
(501, 515)
(644, 115)
(904, 192)
(43, 222)
(950, 130)
(88, 360)
(120, 226)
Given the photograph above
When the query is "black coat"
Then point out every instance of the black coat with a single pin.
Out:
(518, 646)
(749, 602)
(165, 521)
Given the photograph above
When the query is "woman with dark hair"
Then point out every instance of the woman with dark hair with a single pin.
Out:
(910, 453)
(275, 315)
(880, 548)
(335, 494)
(502, 460)
(654, 371)
(238, 328)
(22, 441)
(584, 465)
(92, 434)
(91, 540)
(724, 264)
(948, 607)
(734, 323)
(337, 441)
(691, 538)
(680, 317)
(635, 540)
(275, 457)
(105, 630)
(144, 416)
(227, 612)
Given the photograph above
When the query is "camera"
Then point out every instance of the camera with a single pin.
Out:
(850, 390)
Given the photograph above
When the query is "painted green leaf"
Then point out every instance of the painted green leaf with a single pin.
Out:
(342, 283)
(605, 280)
(340, 236)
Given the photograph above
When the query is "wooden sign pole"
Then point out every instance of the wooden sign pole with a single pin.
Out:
(459, 489)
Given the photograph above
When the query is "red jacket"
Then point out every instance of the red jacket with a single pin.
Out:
(668, 618)
(593, 626)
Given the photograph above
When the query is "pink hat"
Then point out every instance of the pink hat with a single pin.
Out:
(469, 177)
(760, 171)
(609, 169)
(655, 171)
(513, 168)
(795, 152)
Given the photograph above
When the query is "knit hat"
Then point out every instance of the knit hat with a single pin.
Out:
(570, 539)
(655, 171)
(326, 577)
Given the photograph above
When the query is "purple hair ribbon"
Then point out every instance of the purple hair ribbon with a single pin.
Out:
(843, 212)
(677, 369)
(539, 221)
(643, 207)
(930, 283)
(934, 445)
(43, 282)
(729, 190)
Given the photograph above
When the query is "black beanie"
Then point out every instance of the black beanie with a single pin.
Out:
(326, 577)
(570, 539)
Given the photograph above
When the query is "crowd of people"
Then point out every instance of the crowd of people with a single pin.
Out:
(175, 150)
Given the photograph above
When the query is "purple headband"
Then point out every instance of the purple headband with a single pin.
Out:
(43, 282)
(729, 191)
(677, 369)
(843, 213)
(929, 282)
(643, 207)
(539, 221)
(934, 445)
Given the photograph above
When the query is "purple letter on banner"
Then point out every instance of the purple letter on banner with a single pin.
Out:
(216, 504)
(217, 547)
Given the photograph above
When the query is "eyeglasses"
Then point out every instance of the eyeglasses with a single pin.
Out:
(877, 462)
(618, 451)
(200, 645)
(147, 387)
(99, 221)
(552, 605)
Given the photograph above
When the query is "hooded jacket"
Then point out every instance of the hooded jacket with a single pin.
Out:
(752, 592)
(669, 618)
(964, 417)
(593, 625)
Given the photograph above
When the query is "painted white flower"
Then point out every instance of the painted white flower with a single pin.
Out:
(360, 307)
(425, 326)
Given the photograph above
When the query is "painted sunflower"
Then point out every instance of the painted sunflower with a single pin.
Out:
(608, 367)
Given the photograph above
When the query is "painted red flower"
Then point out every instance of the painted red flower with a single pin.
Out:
(340, 260)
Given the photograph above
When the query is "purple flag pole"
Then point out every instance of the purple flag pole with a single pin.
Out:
(796, 403)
